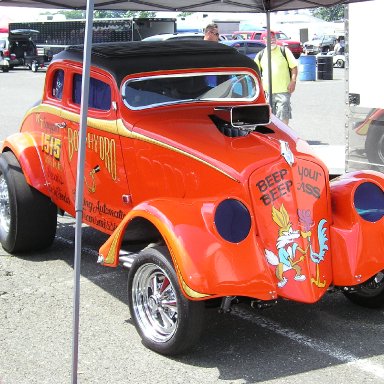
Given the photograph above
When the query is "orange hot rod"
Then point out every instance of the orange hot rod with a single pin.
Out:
(206, 197)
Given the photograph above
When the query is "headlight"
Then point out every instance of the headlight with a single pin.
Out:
(369, 202)
(232, 220)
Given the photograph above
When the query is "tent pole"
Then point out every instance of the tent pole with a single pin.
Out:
(80, 185)
(268, 15)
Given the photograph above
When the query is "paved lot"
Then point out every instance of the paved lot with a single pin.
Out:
(318, 109)
(331, 341)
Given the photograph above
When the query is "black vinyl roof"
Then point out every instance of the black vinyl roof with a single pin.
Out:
(121, 59)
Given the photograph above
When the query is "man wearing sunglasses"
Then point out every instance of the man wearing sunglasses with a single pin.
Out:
(211, 32)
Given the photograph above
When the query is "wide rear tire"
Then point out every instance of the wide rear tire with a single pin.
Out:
(28, 219)
(371, 293)
(166, 320)
(374, 143)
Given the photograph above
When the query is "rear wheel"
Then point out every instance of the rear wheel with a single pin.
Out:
(374, 144)
(166, 320)
(28, 218)
(370, 294)
(339, 63)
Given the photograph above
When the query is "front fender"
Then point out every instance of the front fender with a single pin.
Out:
(24, 147)
(207, 266)
(357, 243)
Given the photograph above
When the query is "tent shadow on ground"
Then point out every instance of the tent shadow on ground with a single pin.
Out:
(288, 339)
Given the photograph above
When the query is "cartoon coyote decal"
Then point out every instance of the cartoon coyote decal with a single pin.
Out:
(287, 246)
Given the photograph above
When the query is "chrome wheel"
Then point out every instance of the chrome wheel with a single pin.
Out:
(166, 320)
(154, 303)
(339, 63)
(5, 208)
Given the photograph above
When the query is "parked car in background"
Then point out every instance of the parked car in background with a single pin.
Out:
(249, 48)
(225, 36)
(320, 44)
(295, 47)
(373, 128)
(338, 59)
(176, 36)
(4, 62)
(19, 49)
(230, 36)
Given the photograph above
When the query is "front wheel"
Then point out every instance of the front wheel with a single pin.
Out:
(28, 218)
(370, 294)
(167, 322)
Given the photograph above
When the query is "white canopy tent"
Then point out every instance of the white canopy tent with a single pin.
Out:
(235, 6)
(180, 5)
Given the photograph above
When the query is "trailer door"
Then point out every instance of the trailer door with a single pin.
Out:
(365, 84)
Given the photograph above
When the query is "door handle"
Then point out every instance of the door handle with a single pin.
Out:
(61, 125)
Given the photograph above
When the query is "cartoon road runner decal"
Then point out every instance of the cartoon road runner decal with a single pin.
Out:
(286, 247)
(317, 257)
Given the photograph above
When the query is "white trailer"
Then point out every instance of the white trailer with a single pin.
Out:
(365, 86)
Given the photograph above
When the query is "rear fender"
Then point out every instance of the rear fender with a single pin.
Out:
(357, 243)
(207, 266)
(24, 147)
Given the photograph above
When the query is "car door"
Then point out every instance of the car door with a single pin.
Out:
(105, 185)
(47, 120)
(252, 48)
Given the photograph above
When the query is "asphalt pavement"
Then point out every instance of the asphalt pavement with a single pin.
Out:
(330, 341)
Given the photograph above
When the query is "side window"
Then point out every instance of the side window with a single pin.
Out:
(240, 47)
(99, 93)
(254, 48)
(257, 36)
(58, 84)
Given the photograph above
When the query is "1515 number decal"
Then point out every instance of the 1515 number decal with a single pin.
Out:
(51, 145)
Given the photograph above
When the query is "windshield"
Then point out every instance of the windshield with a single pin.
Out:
(281, 36)
(159, 90)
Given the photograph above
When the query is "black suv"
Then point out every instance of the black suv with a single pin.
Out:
(19, 48)
(320, 44)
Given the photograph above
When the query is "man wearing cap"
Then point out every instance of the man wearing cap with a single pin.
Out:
(284, 74)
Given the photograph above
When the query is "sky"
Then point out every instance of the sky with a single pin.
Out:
(21, 13)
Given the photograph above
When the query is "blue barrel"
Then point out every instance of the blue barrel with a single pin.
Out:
(307, 68)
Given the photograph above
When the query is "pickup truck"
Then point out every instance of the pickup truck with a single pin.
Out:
(295, 47)
(320, 44)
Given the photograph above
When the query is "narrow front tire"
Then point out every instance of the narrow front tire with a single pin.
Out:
(166, 320)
